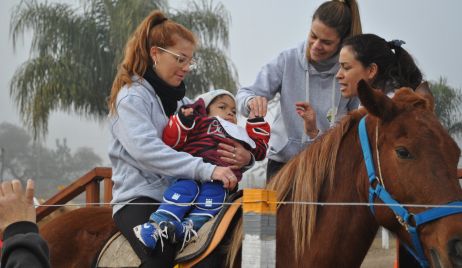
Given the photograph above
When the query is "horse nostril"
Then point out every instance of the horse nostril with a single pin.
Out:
(455, 252)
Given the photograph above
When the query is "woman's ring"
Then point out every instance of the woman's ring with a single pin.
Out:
(234, 156)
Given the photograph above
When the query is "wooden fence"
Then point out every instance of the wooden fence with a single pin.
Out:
(89, 183)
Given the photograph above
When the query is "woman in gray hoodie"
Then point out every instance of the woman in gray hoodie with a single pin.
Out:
(304, 77)
(148, 89)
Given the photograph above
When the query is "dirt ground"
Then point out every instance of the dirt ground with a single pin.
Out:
(377, 257)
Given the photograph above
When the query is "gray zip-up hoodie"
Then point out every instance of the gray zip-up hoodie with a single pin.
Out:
(296, 80)
(142, 163)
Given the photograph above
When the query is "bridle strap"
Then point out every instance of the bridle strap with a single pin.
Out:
(364, 139)
(402, 214)
(438, 212)
(368, 160)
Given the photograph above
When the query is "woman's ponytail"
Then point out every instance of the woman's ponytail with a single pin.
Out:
(355, 26)
(407, 72)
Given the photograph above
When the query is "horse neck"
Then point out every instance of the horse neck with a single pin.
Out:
(348, 230)
(343, 234)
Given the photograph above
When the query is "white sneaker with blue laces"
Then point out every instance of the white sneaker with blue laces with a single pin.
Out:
(151, 232)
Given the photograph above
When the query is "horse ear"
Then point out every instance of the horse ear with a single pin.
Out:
(423, 90)
(375, 102)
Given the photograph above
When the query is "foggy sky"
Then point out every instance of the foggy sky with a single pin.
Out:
(260, 30)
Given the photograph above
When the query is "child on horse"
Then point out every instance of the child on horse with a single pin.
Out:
(198, 128)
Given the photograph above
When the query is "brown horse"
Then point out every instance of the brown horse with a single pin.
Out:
(415, 161)
(418, 165)
(76, 237)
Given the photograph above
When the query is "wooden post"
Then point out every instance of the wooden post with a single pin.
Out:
(259, 222)
(107, 184)
(92, 193)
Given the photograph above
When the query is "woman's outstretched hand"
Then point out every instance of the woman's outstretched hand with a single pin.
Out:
(308, 114)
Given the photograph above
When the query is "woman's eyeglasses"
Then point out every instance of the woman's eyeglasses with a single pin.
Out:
(181, 60)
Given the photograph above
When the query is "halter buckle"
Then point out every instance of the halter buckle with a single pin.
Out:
(404, 223)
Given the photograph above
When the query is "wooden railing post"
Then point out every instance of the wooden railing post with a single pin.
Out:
(259, 221)
(92, 193)
(107, 188)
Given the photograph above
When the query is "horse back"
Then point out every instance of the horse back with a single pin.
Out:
(75, 237)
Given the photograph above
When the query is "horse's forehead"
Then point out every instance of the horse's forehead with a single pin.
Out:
(412, 120)
(417, 125)
(420, 127)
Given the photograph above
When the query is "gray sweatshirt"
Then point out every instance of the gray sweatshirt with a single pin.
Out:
(142, 164)
(295, 79)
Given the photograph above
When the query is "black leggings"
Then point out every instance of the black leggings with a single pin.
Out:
(272, 168)
(132, 215)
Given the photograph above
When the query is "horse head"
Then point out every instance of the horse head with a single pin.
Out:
(415, 163)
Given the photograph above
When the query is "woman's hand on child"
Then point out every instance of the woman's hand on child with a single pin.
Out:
(226, 176)
(234, 154)
(308, 114)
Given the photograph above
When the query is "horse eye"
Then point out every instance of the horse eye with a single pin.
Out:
(403, 153)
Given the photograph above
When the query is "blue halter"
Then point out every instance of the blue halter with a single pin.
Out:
(402, 214)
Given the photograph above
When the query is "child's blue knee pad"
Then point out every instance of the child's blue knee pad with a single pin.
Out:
(210, 199)
(178, 198)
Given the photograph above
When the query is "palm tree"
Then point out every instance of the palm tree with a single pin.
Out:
(75, 52)
(448, 105)
(212, 30)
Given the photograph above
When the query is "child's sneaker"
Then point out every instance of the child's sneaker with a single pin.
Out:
(151, 232)
(184, 231)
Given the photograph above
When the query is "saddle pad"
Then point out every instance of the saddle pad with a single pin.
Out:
(209, 237)
(118, 253)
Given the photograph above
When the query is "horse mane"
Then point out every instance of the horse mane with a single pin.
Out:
(304, 177)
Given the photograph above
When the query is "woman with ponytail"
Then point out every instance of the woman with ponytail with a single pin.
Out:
(384, 65)
(147, 90)
(304, 77)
